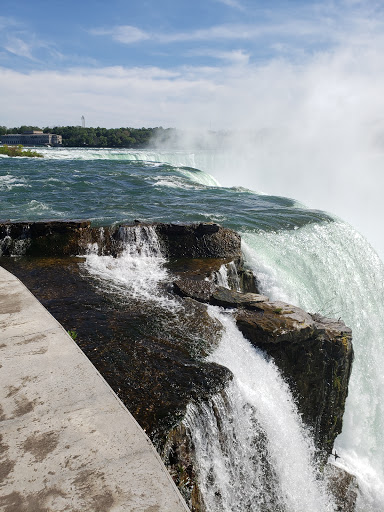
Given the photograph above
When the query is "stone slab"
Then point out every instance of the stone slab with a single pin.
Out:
(67, 443)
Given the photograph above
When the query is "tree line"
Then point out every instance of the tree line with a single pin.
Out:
(77, 136)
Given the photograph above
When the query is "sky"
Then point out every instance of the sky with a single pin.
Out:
(172, 62)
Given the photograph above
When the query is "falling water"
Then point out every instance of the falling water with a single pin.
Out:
(253, 452)
(329, 268)
(138, 270)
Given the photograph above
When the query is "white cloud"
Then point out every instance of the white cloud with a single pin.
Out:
(232, 3)
(16, 39)
(240, 57)
(332, 82)
(6, 22)
(19, 47)
(129, 34)
(322, 24)
(126, 34)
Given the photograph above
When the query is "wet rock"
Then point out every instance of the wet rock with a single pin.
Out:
(204, 240)
(207, 291)
(63, 238)
(248, 282)
(343, 486)
(196, 289)
(51, 238)
(275, 322)
(233, 299)
(203, 269)
(314, 355)
(178, 456)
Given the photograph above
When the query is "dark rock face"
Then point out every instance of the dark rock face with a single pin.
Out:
(314, 353)
(315, 356)
(195, 289)
(178, 455)
(199, 241)
(207, 291)
(233, 299)
(248, 282)
(52, 238)
(65, 238)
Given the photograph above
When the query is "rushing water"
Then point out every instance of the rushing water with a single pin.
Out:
(138, 270)
(302, 256)
(254, 452)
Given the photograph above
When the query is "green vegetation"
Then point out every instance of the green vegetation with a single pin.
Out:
(76, 136)
(344, 341)
(73, 334)
(18, 151)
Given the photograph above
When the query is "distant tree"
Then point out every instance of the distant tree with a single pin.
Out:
(25, 128)
(102, 141)
(76, 136)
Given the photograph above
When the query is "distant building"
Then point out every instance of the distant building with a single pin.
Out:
(34, 138)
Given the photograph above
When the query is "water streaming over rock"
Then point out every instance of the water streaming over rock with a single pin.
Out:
(253, 452)
(138, 270)
(227, 276)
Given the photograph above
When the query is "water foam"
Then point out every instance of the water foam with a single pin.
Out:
(8, 182)
(138, 271)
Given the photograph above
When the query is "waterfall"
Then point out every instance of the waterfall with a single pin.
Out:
(141, 242)
(138, 271)
(329, 268)
(253, 452)
(227, 276)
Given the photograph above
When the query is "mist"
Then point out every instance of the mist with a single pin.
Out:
(313, 132)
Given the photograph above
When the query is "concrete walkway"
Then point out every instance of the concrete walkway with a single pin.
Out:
(67, 443)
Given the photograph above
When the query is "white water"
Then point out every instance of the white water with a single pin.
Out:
(174, 158)
(252, 450)
(331, 269)
(226, 276)
(9, 182)
(138, 271)
(221, 277)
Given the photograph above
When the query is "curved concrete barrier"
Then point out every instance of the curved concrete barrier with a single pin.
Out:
(67, 443)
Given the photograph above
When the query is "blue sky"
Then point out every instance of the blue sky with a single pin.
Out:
(169, 33)
(164, 62)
